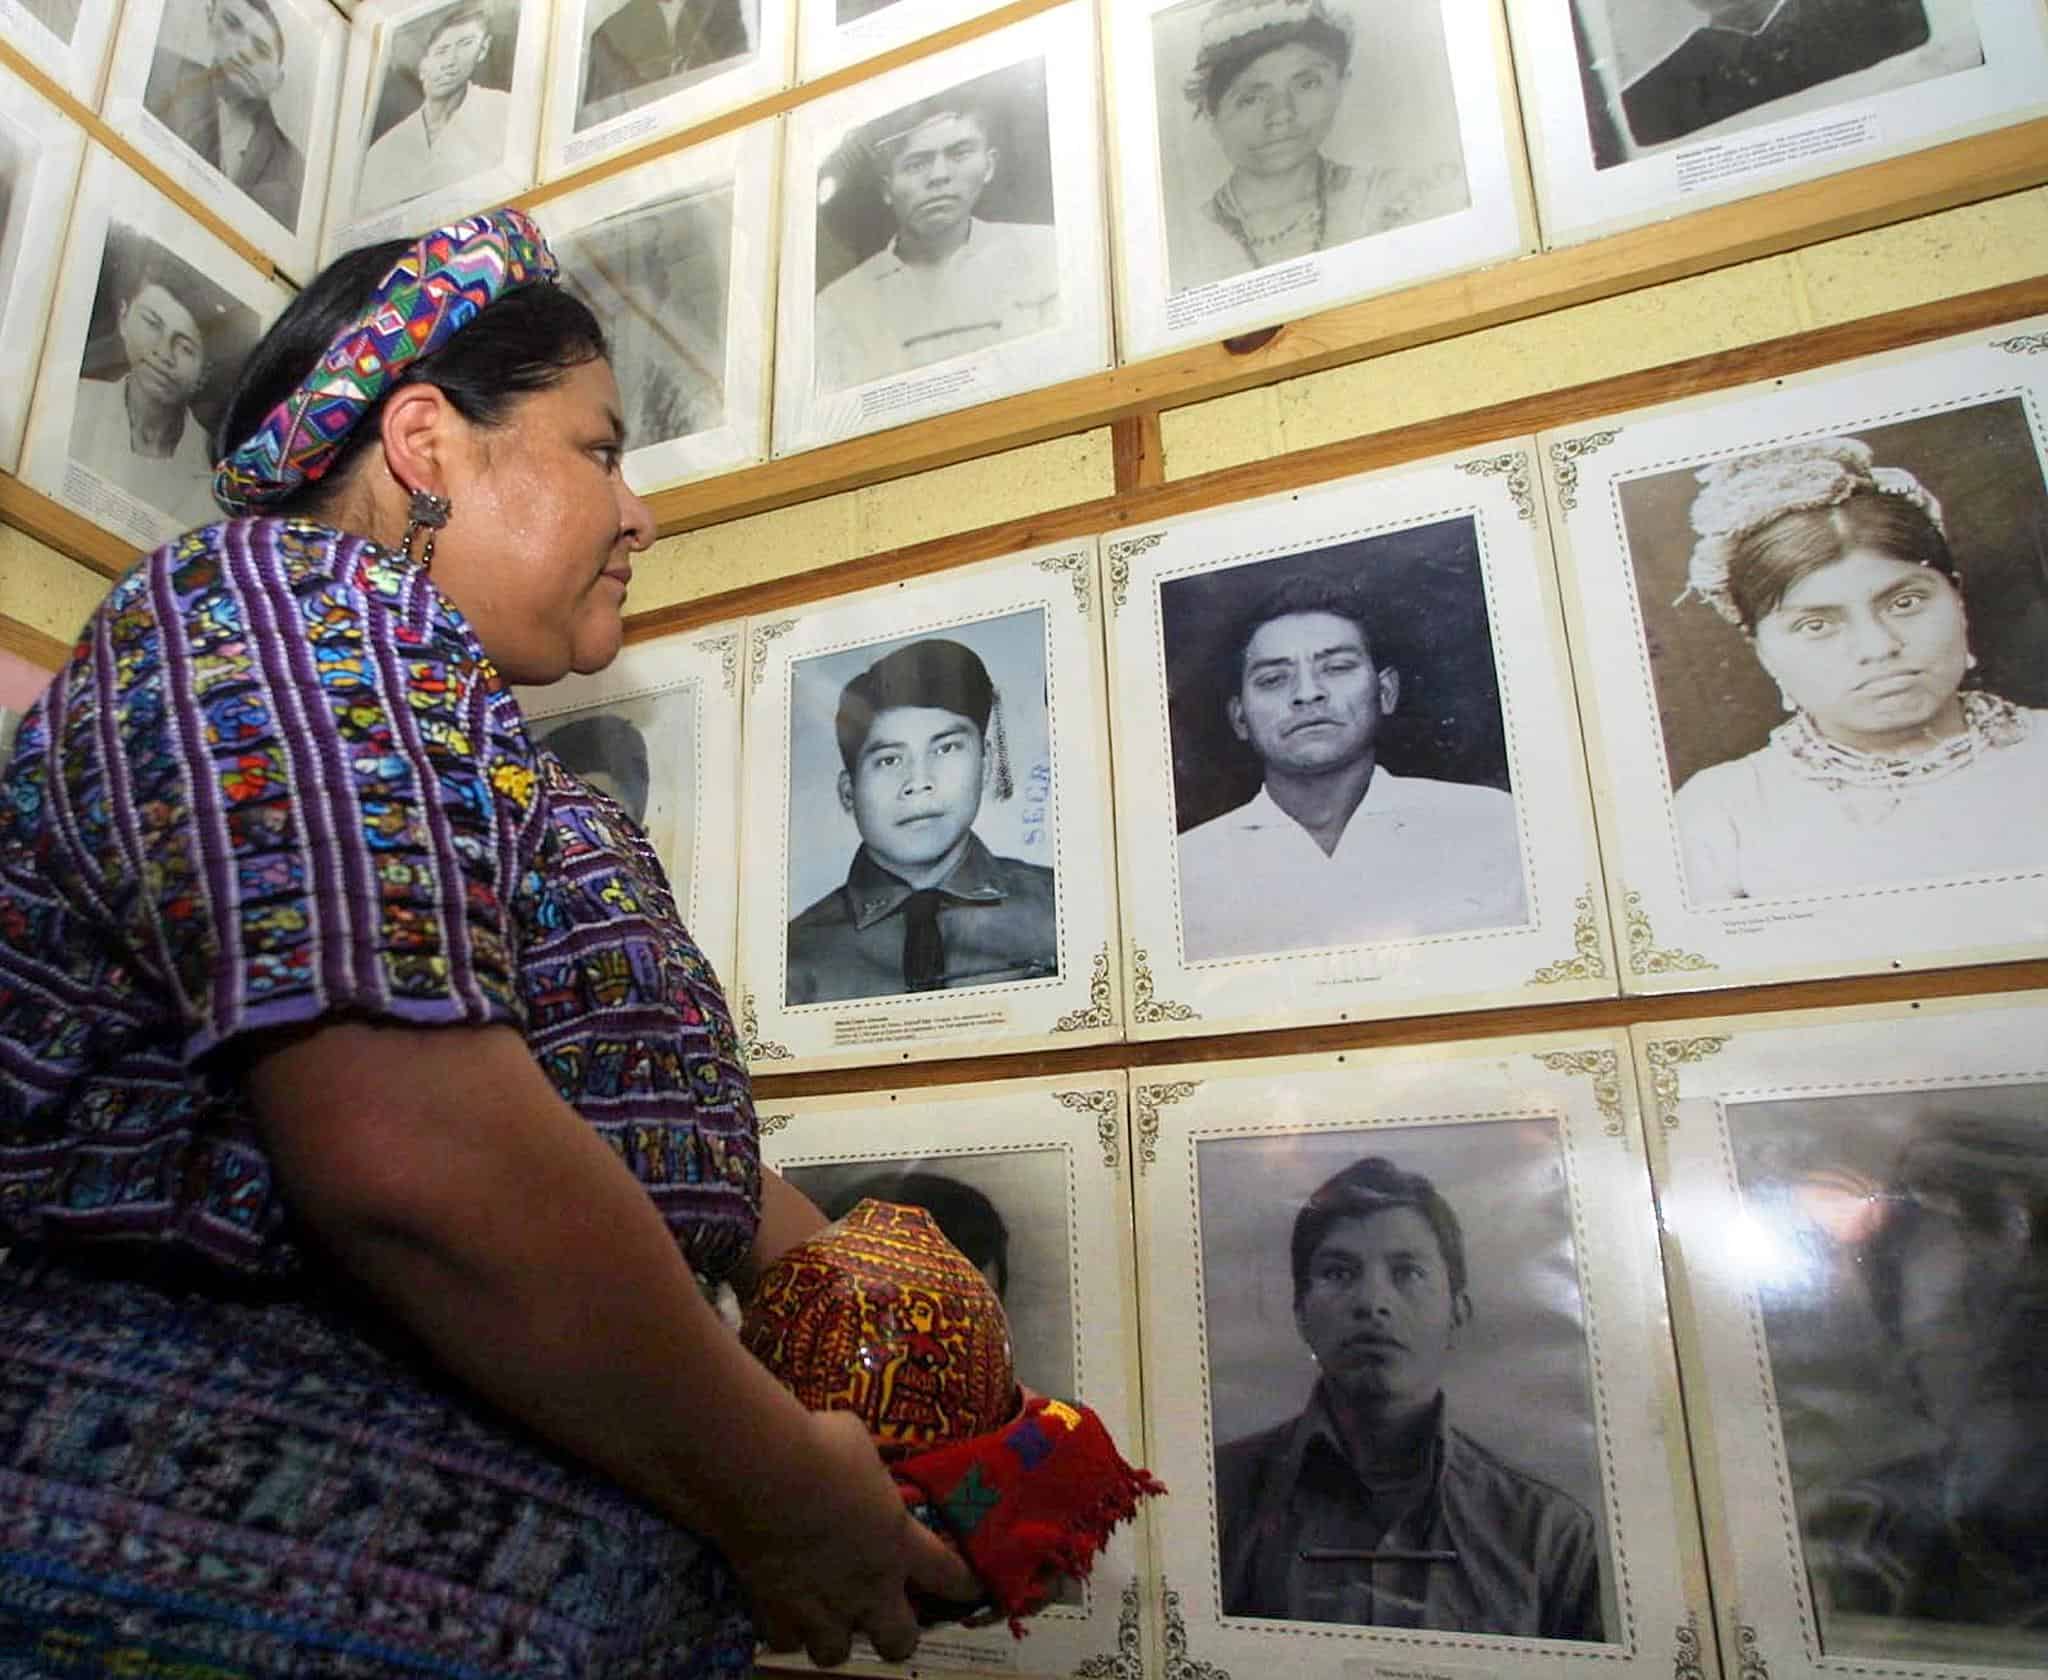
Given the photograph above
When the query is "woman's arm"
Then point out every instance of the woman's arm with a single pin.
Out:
(787, 1217)
(439, 1167)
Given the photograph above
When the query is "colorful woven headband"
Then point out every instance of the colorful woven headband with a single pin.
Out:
(430, 294)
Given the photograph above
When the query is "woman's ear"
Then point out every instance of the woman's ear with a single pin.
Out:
(418, 430)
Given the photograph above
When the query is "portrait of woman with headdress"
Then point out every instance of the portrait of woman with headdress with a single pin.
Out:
(1269, 84)
(1892, 764)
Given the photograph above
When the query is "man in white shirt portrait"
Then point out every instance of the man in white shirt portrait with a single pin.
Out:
(1334, 849)
(948, 282)
(459, 128)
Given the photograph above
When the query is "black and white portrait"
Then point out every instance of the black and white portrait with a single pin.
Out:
(59, 17)
(235, 82)
(1660, 72)
(658, 277)
(921, 815)
(1897, 1246)
(1848, 637)
(1008, 1214)
(637, 51)
(442, 104)
(1288, 127)
(163, 346)
(1400, 1393)
(1339, 759)
(642, 752)
(935, 231)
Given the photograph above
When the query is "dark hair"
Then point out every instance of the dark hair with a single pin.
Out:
(529, 340)
(1304, 592)
(966, 1217)
(1368, 1186)
(1217, 68)
(1984, 1172)
(1767, 563)
(608, 744)
(470, 11)
(888, 135)
(935, 672)
(268, 12)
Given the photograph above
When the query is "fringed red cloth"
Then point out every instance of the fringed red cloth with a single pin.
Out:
(1028, 1503)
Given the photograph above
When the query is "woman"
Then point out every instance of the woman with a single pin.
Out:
(1269, 77)
(1888, 770)
(364, 1108)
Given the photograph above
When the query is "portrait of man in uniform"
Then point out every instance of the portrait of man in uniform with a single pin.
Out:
(439, 122)
(1327, 846)
(925, 904)
(1376, 1504)
(644, 49)
(223, 108)
(935, 235)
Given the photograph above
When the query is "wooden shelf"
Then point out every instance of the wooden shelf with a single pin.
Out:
(54, 525)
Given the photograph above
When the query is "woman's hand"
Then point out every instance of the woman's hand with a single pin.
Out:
(836, 1564)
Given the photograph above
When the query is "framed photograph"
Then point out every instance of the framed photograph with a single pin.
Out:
(1349, 781)
(1812, 635)
(1277, 157)
(1640, 109)
(1855, 1207)
(625, 71)
(1423, 1420)
(836, 33)
(66, 39)
(926, 868)
(154, 317)
(40, 149)
(659, 730)
(675, 258)
(1030, 1180)
(235, 100)
(939, 250)
(440, 114)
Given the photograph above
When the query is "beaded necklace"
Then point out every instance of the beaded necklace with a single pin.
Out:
(1988, 722)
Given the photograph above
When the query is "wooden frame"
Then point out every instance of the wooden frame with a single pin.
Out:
(40, 150)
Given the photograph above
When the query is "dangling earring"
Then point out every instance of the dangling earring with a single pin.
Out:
(1969, 662)
(428, 512)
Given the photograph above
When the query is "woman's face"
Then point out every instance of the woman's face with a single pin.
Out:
(538, 550)
(1871, 648)
(1276, 112)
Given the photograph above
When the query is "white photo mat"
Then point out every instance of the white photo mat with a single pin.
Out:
(713, 200)
(575, 137)
(1429, 93)
(1773, 1138)
(119, 225)
(1032, 619)
(66, 39)
(826, 43)
(1966, 416)
(1052, 55)
(519, 37)
(1983, 65)
(1563, 1369)
(40, 150)
(1492, 705)
(1051, 1156)
(315, 46)
(681, 696)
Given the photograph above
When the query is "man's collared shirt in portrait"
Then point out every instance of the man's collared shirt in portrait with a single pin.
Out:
(187, 99)
(178, 485)
(1417, 857)
(1717, 72)
(648, 41)
(404, 163)
(998, 921)
(1527, 1555)
(888, 316)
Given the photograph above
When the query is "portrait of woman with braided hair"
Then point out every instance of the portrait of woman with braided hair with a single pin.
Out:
(373, 1134)
(1892, 765)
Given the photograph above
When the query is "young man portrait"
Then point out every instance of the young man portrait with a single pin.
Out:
(647, 45)
(1334, 849)
(222, 109)
(1371, 1507)
(947, 281)
(458, 128)
(925, 906)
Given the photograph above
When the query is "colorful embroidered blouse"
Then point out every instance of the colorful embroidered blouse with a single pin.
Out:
(280, 781)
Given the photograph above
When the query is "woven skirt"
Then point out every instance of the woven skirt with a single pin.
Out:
(204, 1483)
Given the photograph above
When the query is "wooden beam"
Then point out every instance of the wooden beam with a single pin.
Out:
(54, 525)
(1895, 190)
(24, 641)
(1138, 453)
(1773, 359)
